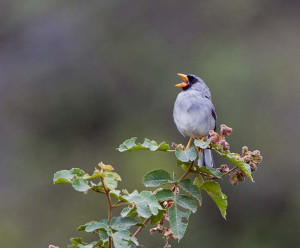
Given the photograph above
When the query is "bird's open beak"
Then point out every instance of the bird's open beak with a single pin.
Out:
(186, 80)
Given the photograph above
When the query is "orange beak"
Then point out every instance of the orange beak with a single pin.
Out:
(185, 78)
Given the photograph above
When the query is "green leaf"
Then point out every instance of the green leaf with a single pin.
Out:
(210, 171)
(111, 179)
(91, 245)
(186, 155)
(239, 162)
(95, 225)
(103, 236)
(178, 220)
(77, 172)
(221, 202)
(186, 202)
(66, 176)
(130, 145)
(97, 187)
(77, 241)
(115, 193)
(198, 181)
(63, 176)
(125, 212)
(191, 189)
(155, 219)
(202, 144)
(213, 189)
(122, 223)
(80, 184)
(151, 201)
(164, 195)
(153, 146)
(157, 178)
(145, 202)
(122, 239)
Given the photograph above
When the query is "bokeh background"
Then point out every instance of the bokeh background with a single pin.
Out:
(77, 78)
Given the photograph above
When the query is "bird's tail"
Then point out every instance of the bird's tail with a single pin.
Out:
(206, 158)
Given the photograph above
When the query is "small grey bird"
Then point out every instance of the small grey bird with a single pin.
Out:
(194, 114)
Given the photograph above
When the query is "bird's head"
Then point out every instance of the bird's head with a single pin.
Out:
(188, 81)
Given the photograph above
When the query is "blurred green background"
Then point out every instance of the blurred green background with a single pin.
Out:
(79, 77)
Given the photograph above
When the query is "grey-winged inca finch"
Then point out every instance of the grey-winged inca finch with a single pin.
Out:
(195, 115)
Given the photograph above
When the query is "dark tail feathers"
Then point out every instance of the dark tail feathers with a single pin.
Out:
(206, 158)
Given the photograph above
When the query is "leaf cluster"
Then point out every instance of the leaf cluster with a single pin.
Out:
(171, 200)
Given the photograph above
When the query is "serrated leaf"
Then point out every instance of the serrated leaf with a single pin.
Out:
(157, 178)
(164, 195)
(153, 146)
(186, 155)
(145, 202)
(130, 145)
(186, 202)
(95, 225)
(222, 203)
(210, 171)
(122, 223)
(213, 189)
(191, 189)
(202, 144)
(151, 201)
(178, 220)
(78, 172)
(239, 162)
(66, 176)
(63, 176)
(122, 238)
(80, 184)
(143, 210)
(111, 179)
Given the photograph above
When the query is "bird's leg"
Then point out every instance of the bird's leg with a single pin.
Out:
(202, 139)
(189, 143)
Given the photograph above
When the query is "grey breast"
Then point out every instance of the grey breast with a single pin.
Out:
(193, 113)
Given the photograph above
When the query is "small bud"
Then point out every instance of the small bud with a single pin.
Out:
(225, 131)
(253, 166)
(224, 168)
(224, 144)
(256, 153)
(234, 179)
(233, 182)
(247, 158)
(241, 176)
(244, 151)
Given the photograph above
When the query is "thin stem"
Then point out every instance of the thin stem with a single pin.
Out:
(232, 170)
(110, 207)
(187, 171)
(141, 227)
(119, 203)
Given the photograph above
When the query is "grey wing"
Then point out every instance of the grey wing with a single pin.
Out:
(214, 115)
